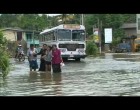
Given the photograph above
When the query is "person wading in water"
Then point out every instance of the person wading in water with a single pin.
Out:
(56, 59)
(48, 58)
(32, 58)
(42, 61)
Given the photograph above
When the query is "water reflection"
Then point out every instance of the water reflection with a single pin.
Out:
(57, 78)
(33, 76)
(46, 78)
(108, 74)
(53, 80)
(126, 57)
(3, 82)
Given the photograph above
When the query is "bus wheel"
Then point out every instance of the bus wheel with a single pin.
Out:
(77, 59)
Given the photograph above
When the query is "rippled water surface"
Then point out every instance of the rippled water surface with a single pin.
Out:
(106, 75)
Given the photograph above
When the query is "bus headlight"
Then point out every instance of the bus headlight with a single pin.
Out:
(81, 50)
(63, 50)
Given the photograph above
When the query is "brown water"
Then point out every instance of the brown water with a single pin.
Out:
(106, 75)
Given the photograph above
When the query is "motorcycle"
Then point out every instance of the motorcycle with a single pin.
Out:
(21, 56)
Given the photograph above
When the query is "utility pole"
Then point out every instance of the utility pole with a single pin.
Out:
(82, 19)
(99, 34)
(33, 38)
(93, 29)
(101, 37)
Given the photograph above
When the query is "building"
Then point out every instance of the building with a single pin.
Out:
(13, 34)
(129, 29)
(20, 36)
(138, 24)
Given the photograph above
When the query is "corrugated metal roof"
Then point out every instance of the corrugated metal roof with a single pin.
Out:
(129, 25)
(18, 29)
(14, 29)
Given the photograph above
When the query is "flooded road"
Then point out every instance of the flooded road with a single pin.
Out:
(106, 75)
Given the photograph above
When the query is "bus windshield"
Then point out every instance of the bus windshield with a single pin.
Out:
(78, 35)
(64, 35)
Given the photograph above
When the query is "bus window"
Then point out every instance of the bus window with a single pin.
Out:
(64, 35)
(78, 35)
(53, 37)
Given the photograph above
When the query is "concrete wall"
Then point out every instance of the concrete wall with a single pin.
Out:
(10, 35)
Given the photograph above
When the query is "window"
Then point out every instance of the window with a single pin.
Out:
(64, 35)
(50, 36)
(29, 36)
(78, 35)
(19, 36)
(138, 23)
(43, 38)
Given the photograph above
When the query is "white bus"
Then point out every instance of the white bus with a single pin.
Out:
(69, 38)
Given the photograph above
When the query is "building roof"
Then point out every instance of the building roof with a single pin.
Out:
(18, 29)
(62, 26)
(13, 29)
(129, 25)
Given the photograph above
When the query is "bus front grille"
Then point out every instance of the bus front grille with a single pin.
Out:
(71, 47)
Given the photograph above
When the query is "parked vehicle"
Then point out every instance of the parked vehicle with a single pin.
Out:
(21, 56)
(123, 47)
(137, 45)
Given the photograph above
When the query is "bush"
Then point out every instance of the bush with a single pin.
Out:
(91, 48)
(4, 57)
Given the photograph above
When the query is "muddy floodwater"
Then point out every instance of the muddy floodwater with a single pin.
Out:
(107, 75)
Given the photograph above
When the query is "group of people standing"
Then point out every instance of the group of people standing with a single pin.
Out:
(50, 58)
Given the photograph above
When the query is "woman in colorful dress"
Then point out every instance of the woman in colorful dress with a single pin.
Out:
(56, 59)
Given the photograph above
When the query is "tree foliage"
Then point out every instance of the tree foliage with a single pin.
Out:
(91, 48)
(4, 57)
(41, 22)
(114, 21)
(25, 21)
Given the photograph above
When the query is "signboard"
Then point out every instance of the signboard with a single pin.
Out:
(71, 26)
(108, 35)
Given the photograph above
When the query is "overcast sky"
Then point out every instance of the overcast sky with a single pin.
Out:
(53, 14)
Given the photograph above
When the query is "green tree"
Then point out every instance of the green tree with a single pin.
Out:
(91, 48)
(4, 57)
(129, 18)
(9, 20)
(70, 18)
(114, 21)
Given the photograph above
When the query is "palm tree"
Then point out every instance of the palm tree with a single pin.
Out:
(68, 18)
(64, 16)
